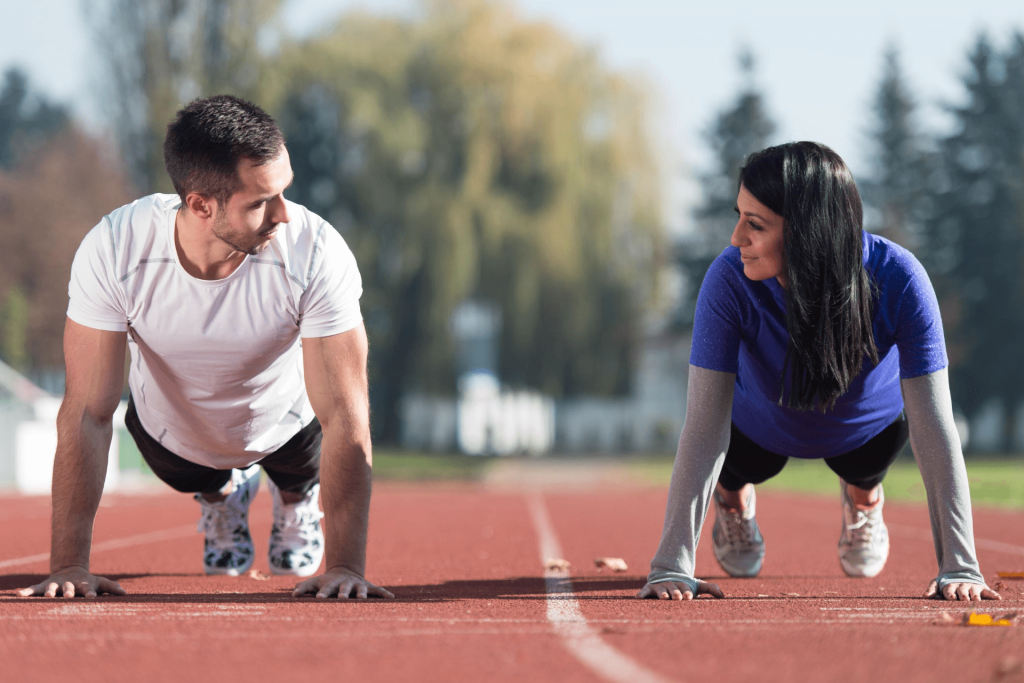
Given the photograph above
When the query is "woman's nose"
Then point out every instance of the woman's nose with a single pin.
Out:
(739, 236)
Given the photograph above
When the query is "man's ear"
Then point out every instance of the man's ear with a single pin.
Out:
(202, 206)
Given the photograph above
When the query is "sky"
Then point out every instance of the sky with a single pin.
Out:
(818, 63)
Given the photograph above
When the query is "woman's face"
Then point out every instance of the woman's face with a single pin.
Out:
(758, 236)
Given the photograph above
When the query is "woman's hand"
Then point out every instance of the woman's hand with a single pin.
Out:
(677, 590)
(962, 591)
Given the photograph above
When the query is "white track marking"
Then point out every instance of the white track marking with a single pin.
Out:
(567, 619)
(126, 542)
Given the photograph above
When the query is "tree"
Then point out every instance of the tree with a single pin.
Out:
(160, 54)
(980, 212)
(465, 154)
(736, 132)
(896, 194)
(27, 120)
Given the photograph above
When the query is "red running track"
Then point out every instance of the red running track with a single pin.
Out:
(473, 603)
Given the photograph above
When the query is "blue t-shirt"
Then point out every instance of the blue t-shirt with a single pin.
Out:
(740, 327)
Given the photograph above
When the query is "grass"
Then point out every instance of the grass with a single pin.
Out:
(996, 482)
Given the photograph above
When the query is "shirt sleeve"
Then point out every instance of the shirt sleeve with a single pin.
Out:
(96, 298)
(919, 336)
(716, 322)
(330, 304)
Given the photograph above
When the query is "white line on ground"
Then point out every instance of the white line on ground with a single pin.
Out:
(567, 619)
(114, 544)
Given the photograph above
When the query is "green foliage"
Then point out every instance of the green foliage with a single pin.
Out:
(467, 154)
(742, 128)
(160, 54)
(980, 216)
(26, 121)
(14, 329)
(896, 193)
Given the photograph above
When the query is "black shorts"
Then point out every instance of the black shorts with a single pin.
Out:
(294, 467)
(864, 467)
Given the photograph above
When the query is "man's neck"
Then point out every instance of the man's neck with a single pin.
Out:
(200, 253)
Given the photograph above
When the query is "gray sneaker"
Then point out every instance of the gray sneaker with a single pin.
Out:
(864, 543)
(738, 545)
(228, 546)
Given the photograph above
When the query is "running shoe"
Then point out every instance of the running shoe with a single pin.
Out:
(738, 545)
(296, 539)
(228, 546)
(864, 543)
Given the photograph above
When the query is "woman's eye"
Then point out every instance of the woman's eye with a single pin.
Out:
(755, 226)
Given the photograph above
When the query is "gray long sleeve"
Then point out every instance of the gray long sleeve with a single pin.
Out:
(937, 450)
(702, 447)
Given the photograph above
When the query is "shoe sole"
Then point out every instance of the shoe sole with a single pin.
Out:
(860, 572)
(738, 573)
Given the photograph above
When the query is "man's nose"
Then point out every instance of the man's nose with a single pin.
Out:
(280, 211)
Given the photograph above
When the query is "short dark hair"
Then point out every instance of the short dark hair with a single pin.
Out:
(828, 292)
(209, 137)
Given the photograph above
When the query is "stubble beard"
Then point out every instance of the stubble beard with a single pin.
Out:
(223, 232)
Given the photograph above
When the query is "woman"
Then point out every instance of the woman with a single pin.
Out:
(810, 339)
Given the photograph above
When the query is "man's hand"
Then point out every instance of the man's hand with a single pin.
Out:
(677, 590)
(72, 581)
(342, 583)
(962, 591)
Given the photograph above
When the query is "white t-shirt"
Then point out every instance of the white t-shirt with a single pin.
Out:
(216, 371)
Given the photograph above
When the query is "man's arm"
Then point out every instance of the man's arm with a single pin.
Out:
(337, 386)
(94, 361)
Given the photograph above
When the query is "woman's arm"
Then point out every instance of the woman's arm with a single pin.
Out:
(702, 447)
(937, 450)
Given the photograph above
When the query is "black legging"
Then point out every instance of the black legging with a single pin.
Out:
(864, 467)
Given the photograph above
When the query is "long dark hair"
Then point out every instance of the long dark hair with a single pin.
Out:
(828, 292)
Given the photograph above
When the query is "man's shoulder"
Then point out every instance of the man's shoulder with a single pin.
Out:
(132, 231)
(307, 235)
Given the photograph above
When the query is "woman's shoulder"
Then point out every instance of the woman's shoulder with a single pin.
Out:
(889, 263)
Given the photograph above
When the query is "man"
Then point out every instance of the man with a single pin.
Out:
(241, 311)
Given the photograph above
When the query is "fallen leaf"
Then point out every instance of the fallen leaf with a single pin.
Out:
(555, 564)
(975, 619)
(998, 586)
(1010, 575)
(792, 595)
(258, 575)
(616, 564)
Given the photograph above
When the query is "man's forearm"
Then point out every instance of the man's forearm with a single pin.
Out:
(346, 482)
(79, 468)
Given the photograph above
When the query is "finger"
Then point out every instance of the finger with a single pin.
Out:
(688, 595)
(710, 589)
(989, 594)
(30, 591)
(644, 592)
(51, 590)
(361, 590)
(331, 588)
(69, 589)
(345, 589)
(949, 592)
(933, 588)
(306, 587)
(381, 592)
(963, 591)
(84, 589)
(108, 586)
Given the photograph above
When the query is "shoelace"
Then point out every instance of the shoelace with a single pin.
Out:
(219, 523)
(738, 531)
(863, 530)
(294, 523)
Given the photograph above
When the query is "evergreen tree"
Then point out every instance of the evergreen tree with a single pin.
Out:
(741, 129)
(27, 121)
(980, 210)
(896, 193)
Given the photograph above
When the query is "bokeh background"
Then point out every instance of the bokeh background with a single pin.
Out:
(534, 189)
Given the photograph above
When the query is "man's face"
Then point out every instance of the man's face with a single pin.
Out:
(249, 219)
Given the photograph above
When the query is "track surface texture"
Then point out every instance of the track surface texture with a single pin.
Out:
(474, 602)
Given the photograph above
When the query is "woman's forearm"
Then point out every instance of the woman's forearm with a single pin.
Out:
(699, 459)
(937, 449)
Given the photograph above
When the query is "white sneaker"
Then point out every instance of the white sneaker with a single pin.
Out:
(296, 540)
(737, 541)
(228, 546)
(864, 543)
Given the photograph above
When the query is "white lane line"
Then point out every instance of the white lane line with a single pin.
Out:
(114, 544)
(567, 619)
